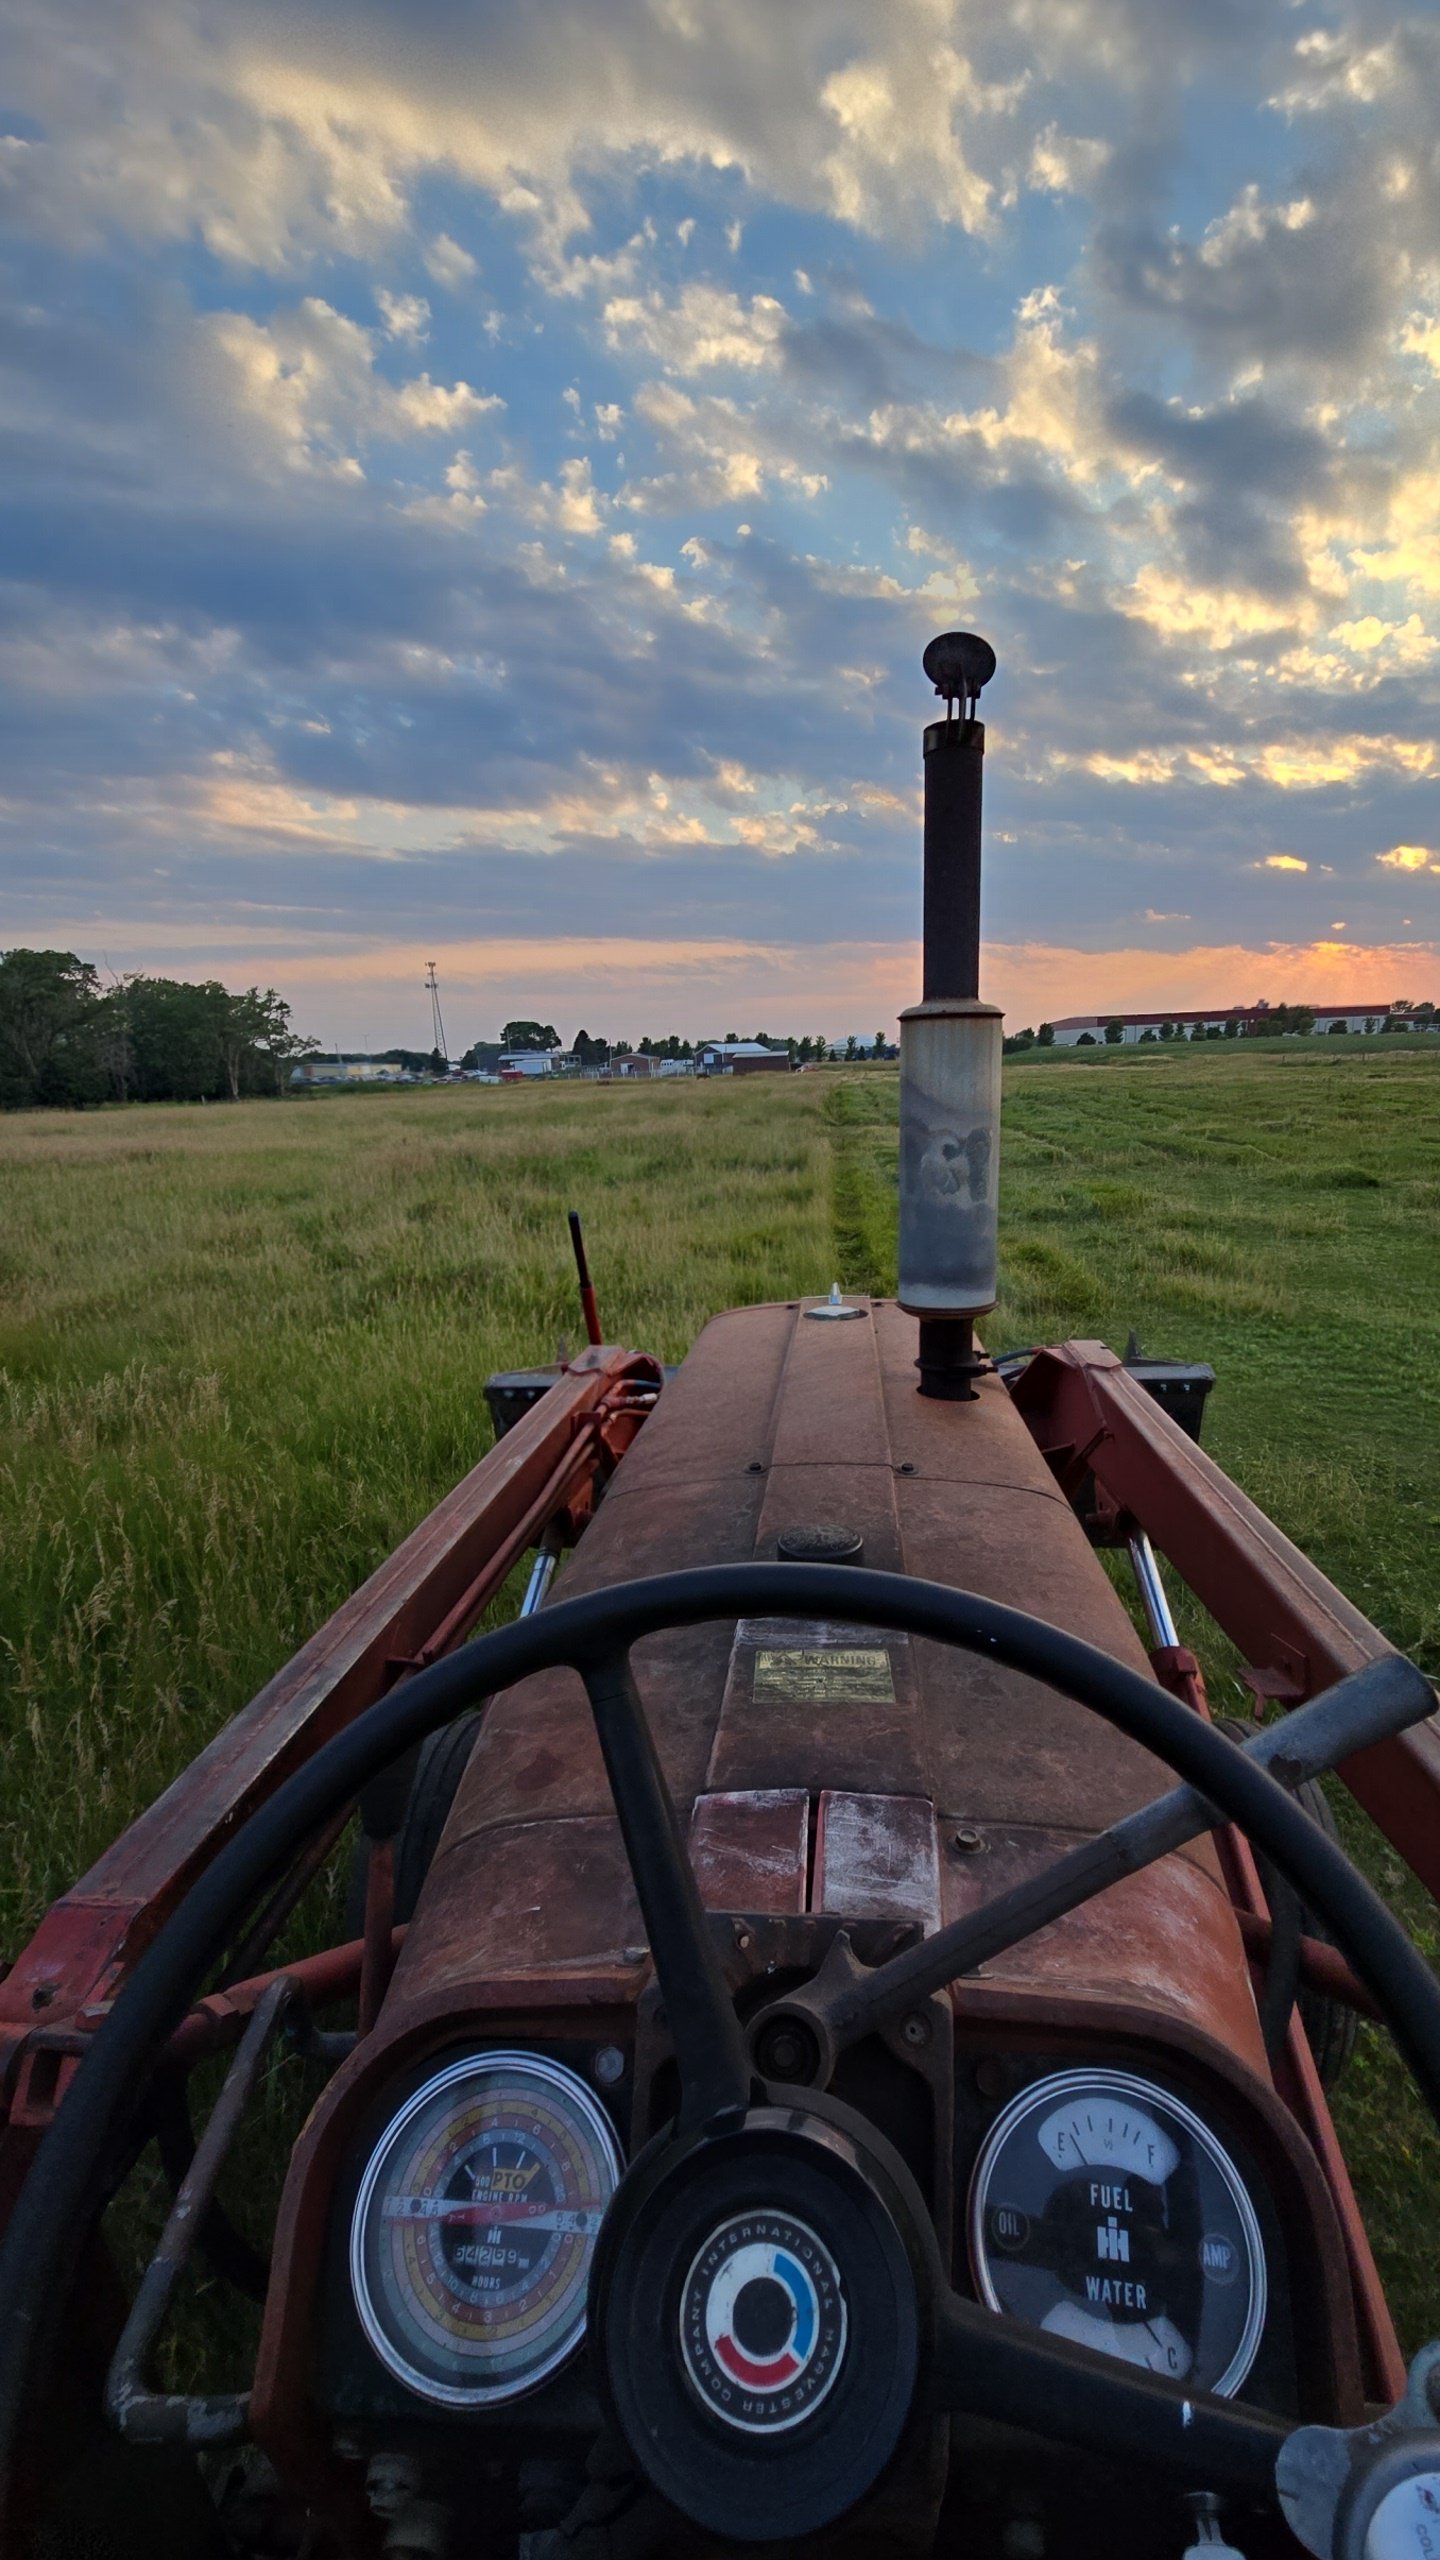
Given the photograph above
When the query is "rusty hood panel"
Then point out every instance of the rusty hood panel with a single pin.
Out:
(774, 1735)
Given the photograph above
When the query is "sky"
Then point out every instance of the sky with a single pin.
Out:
(477, 481)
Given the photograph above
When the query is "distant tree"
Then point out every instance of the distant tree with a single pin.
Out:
(48, 1001)
(590, 1051)
(177, 1034)
(1369, 1021)
(1045, 1036)
(1198, 1031)
(730, 1038)
(1167, 1030)
(1338, 1027)
(437, 1064)
(1114, 1033)
(879, 1048)
(1302, 1019)
(850, 1049)
(255, 1040)
(1145, 1035)
(530, 1035)
(1232, 1026)
(1087, 1040)
(805, 1048)
(1214, 1032)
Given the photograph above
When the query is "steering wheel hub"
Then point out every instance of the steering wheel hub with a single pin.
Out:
(783, 2268)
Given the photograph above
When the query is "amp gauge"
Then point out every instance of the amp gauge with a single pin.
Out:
(475, 2225)
(1104, 2211)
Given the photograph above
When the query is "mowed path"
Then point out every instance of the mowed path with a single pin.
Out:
(242, 1351)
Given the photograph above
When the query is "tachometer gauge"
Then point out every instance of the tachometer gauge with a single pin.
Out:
(475, 2225)
(1105, 2211)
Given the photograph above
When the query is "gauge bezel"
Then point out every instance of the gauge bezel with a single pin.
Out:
(559, 2076)
(1125, 2084)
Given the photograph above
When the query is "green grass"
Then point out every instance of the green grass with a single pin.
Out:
(242, 1351)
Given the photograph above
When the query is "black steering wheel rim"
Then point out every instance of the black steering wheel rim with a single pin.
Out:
(593, 1634)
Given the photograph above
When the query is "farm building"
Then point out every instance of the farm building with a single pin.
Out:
(644, 1062)
(1250, 1017)
(740, 1058)
(346, 1070)
(515, 1063)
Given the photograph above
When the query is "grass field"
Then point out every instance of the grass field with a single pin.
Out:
(242, 1350)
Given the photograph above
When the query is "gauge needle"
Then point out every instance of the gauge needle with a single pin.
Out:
(535, 2217)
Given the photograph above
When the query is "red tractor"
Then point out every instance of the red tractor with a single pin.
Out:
(829, 2053)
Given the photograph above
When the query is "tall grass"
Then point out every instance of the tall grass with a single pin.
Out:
(242, 1351)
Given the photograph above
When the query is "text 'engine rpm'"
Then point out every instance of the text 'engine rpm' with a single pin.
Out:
(1105, 2211)
(475, 2226)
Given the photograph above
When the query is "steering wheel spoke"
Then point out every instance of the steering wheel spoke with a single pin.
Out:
(715, 2077)
(847, 2000)
(991, 2367)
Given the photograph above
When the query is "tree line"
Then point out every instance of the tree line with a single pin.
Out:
(66, 1039)
(593, 1051)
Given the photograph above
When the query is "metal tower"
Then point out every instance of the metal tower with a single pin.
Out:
(436, 1023)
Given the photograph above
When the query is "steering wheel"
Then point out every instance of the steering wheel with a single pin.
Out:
(895, 2346)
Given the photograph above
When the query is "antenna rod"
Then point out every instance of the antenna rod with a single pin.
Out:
(588, 1307)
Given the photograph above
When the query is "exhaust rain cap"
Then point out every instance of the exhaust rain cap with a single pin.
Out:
(960, 664)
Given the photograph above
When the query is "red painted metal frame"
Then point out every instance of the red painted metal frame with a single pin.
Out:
(420, 1602)
(1294, 1628)
(1298, 1634)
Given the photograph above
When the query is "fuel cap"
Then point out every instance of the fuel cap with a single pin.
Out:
(820, 1542)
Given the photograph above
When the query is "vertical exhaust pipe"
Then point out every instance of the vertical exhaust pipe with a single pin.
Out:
(950, 1050)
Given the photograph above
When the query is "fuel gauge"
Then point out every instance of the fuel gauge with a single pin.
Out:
(1105, 2211)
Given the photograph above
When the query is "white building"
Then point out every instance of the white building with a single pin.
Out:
(346, 1070)
(1250, 1017)
(528, 1062)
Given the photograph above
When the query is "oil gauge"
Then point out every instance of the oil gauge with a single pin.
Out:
(1105, 2211)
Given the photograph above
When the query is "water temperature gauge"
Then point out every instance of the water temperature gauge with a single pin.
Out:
(1103, 2210)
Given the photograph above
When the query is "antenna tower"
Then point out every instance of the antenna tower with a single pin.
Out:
(436, 1024)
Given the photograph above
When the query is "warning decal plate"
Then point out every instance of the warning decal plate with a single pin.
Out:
(853, 1675)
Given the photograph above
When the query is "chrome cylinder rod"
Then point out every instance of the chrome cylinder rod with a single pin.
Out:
(1152, 1591)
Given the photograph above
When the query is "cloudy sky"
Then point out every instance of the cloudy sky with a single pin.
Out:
(477, 481)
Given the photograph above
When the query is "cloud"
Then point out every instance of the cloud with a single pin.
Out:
(1282, 862)
(306, 387)
(448, 263)
(406, 315)
(705, 329)
(345, 606)
(1410, 857)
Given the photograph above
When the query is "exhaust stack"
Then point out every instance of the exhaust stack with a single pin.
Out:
(950, 1050)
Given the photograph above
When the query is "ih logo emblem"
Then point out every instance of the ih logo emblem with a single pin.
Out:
(1111, 2242)
(762, 2322)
